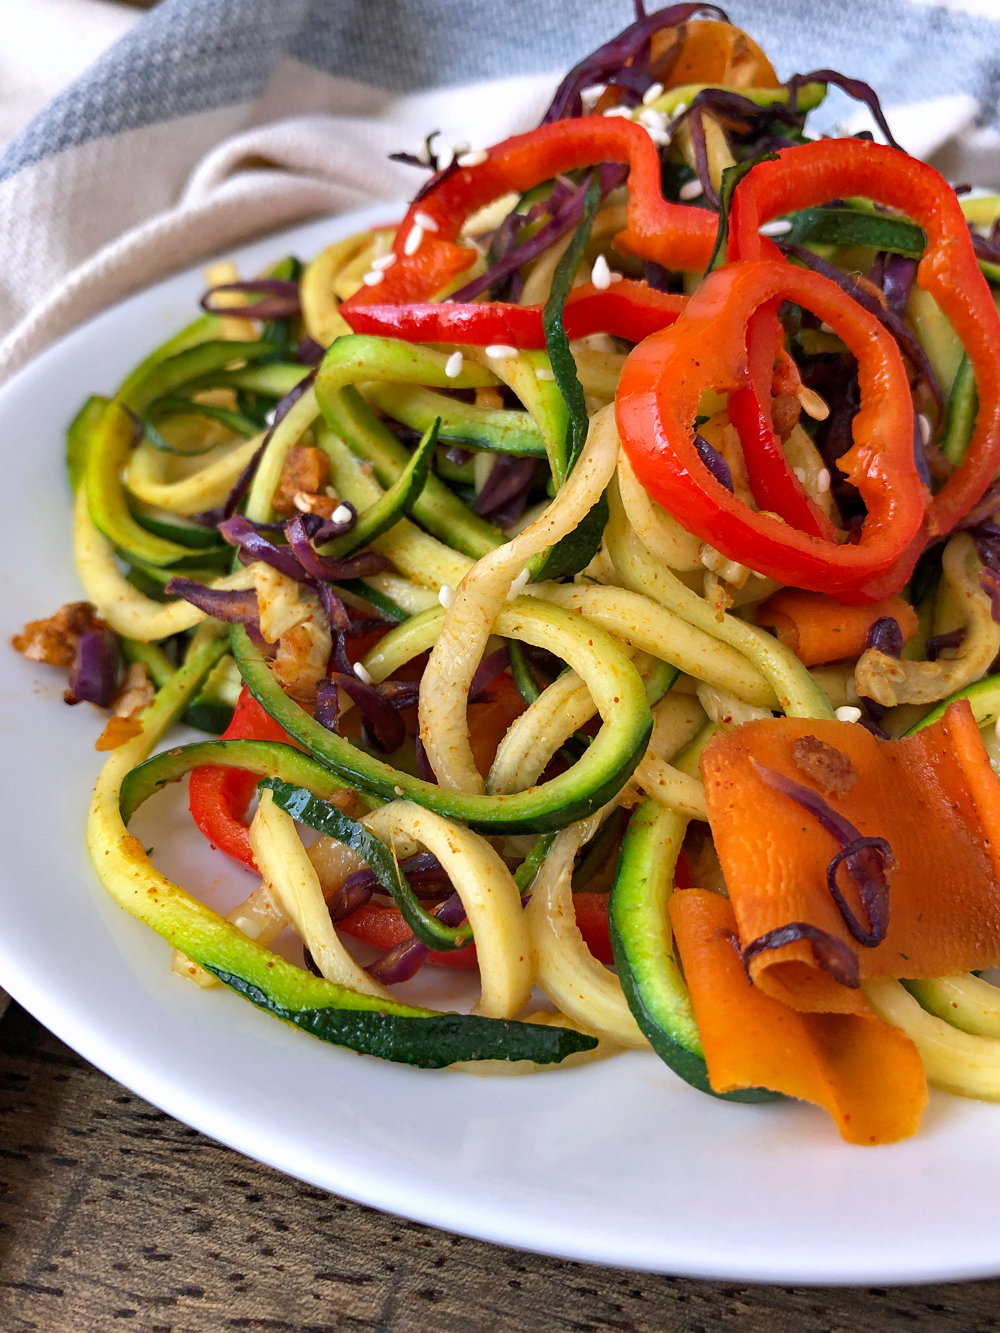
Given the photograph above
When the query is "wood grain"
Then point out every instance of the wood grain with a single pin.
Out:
(113, 1216)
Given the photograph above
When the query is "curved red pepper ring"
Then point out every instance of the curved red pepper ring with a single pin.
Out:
(658, 397)
(675, 235)
(630, 310)
(834, 168)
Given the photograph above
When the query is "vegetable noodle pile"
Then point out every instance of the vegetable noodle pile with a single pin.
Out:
(605, 565)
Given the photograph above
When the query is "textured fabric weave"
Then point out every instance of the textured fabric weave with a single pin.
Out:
(212, 121)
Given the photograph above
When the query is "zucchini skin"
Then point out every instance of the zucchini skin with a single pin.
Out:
(984, 700)
(423, 1038)
(269, 759)
(507, 432)
(571, 796)
(385, 1028)
(643, 948)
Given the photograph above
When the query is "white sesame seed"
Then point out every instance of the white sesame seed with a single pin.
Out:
(462, 147)
(446, 595)
(779, 227)
(652, 120)
(362, 674)
(269, 416)
(500, 352)
(592, 95)
(475, 159)
(616, 277)
(386, 261)
(399, 791)
(618, 111)
(691, 189)
(924, 425)
(654, 91)
(302, 501)
(415, 240)
(679, 109)
(544, 373)
(519, 584)
(373, 278)
(827, 328)
(823, 480)
(800, 472)
(847, 714)
(600, 274)
(453, 366)
(426, 221)
(342, 514)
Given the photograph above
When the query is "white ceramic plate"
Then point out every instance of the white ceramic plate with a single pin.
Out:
(618, 1162)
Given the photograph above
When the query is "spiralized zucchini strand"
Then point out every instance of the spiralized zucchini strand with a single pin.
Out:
(659, 531)
(567, 971)
(956, 1061)
(287, 434)
(489, 895)
(656, 629)
(207, 488)
(128, 611)
(415, 553)
(797, 693)
(292, 879)
(444, 688)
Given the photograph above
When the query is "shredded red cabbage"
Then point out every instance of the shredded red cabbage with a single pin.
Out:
(629, 51)
(989, 581)
(885, 636)
(566, 217)
(309, 352)
(93, 677)
(856, 88)
(908, 342)
(405, 960)
(833, 955)
(507, 486)
(237, 606)
(487, 671)
(937, 642)
(899, 272)
(867, 859)
(714, 461)
(284, 302)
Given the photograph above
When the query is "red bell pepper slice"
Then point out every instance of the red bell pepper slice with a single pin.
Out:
(628, 309)
(383, 928)
(675, 235)
(774, 485)
(219, 797)
(658, 397)
(811, 174)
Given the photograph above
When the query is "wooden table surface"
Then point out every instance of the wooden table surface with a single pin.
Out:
(114, 1216)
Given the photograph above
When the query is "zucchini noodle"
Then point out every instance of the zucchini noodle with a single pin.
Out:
(566, 970)
(291, 879)
(478, 600)
(489, 895)
(797, 693)
(659, 630)
(207, 488)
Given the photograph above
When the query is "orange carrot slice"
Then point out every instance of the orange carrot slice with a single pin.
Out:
(933, 796)
(867, 1074)
(818, 629)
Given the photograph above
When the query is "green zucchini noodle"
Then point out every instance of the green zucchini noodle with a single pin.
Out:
(479, 677)
(478, 600)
